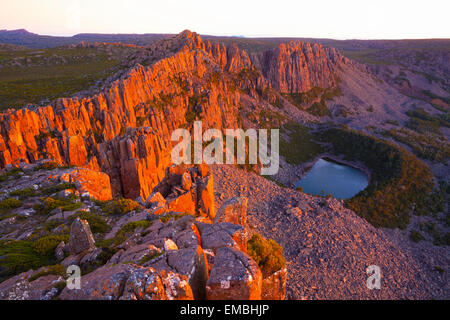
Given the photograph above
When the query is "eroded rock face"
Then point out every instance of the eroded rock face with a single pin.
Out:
(274, 286)
(81, 238)
(234, 276)
(299, 66)
(99, 132)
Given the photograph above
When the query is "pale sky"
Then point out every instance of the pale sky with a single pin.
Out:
(338, 19)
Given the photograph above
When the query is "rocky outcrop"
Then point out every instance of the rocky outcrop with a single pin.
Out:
(299, 66)
(174, 194)
(81, 238)
(130, 282)
(155, 252)
(187, 78)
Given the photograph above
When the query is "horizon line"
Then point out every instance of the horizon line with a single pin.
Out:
(226, 36)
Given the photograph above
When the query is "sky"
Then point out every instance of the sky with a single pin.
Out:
(337, 19)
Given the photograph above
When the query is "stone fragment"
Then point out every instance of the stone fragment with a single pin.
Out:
(81, 238)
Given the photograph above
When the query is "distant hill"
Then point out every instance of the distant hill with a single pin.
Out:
(31, 40)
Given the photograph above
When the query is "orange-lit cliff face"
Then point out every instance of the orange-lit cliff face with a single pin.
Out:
(298, 67)
(199, 80)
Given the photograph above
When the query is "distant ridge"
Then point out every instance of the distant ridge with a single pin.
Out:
(31, 40)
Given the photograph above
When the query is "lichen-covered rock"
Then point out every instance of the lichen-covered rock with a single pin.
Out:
(148, 284)
(130, 282)
(19, 287)
(234, 276)
(219, 235)
(81, 238)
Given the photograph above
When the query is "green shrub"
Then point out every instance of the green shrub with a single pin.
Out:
(416, 236)
(50, 204)
(127, 229)
(10, 203)
(120, 206)
(46, 246)
(14, 172)
(300, 146)
(167, 217)
(96, 222)
(50, 165)
(57, 188)
(23, 193)
(149, 257)
(17, 257)
(319, 109)
(267, 254)
(56, 269)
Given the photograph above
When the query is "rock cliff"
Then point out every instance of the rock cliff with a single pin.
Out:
(125, 129)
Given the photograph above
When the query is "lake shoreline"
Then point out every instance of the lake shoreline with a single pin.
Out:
(297, 172)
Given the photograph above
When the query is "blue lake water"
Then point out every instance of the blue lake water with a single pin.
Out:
(339, 180)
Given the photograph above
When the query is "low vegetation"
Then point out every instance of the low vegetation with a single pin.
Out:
(267, 254)
(35, 76)
(425, 145)
(18, 256)
(297, 144)
(49, 204)
(316, 97)
(127, 230)
(119, 206)
(423, 122)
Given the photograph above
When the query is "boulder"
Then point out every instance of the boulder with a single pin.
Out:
(234, 276)
(186, 181)
(94, 183)
(182, 203)
(219, 235)
(81, 238)
(156, 200)
(104, 283)
(234, 211)
(190, 262)
(19, 288)
(148, 284)
(59, 251)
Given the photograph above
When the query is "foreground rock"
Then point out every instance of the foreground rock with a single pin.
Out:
(234, 276)
(81, 238)
(130, 282)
